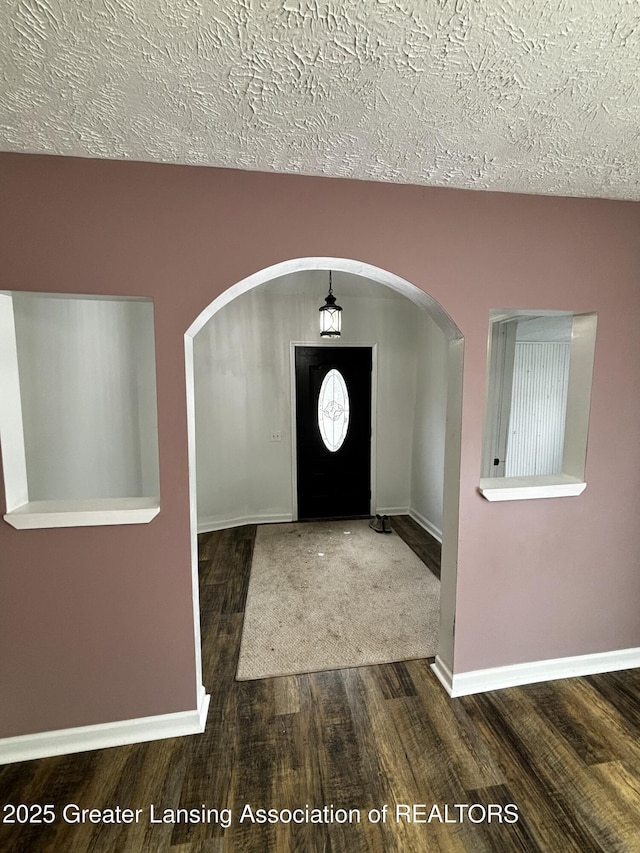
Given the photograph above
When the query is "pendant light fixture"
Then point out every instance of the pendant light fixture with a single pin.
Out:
(330, 316)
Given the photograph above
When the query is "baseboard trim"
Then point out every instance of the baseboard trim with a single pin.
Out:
(443, 674)
(426, 524)
(105, 735)
(497, 678)
(207, 525)
(392, 510)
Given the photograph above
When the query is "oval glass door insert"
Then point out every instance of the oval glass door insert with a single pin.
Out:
(333, 410)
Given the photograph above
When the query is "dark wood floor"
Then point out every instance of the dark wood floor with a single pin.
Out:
(567, 754)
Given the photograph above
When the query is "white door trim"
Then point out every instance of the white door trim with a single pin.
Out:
(453, 441)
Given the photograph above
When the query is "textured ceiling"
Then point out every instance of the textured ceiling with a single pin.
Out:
(536, 96)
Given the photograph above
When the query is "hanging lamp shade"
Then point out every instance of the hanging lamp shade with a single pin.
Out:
(330, 315)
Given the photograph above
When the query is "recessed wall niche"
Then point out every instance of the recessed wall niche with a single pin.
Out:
(540, 366)
(78, 413)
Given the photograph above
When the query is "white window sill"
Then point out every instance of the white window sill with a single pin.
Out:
(83, 513)
(530, 488)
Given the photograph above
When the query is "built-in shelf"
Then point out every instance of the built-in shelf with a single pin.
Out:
(83, 513)
(529, 488)
(538, 402)
(78, 411)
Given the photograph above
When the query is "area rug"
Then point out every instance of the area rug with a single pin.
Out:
(328, 595)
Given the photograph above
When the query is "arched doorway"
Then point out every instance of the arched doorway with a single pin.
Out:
(434, 310)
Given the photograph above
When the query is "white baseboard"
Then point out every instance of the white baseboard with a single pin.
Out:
(105, 735)
(443, 674)
(392, 510)
(497, 678)
(207, 525)
(426, 524)
(420, 519)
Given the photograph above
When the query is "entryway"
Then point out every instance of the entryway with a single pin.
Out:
(248, 452)
(333, 431)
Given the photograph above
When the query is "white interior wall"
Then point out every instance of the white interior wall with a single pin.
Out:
(536, 432)
(143, 351)
(535, 443)
(87, 388)
(243, 393)
(429, 426)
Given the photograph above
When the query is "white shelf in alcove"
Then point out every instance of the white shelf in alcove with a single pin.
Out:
(83, 513)
(531, 488)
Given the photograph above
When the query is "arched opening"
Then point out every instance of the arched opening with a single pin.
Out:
(452, 434)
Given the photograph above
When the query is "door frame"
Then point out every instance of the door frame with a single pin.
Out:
(374, 397)
(444, 665)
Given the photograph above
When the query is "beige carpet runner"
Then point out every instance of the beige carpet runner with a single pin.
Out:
(328, 595)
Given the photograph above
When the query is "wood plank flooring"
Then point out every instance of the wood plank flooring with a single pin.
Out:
(567, 754)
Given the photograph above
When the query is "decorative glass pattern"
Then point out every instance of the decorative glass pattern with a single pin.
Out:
(333, 410)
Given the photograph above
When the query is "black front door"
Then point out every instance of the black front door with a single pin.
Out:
(333, 431)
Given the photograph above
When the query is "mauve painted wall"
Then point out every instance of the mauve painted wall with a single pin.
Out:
(95, 623)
